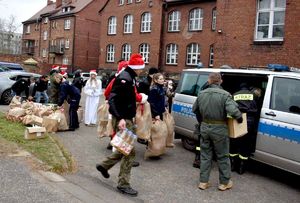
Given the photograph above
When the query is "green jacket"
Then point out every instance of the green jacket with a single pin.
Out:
(215, 104)
(54, 90)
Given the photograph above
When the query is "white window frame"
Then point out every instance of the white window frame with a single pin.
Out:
(44, 53)
(211, 56)
(144, 50)
(67, 43)
(112, 25)
(121, 2)
(46, 20)
(137, 1)
(214, 19)
(172, 54)
(45, 35)
(129, 1)
(128, 23)
(28, 29)
(67, 24)
(196, 19)
(271, 10)
(65, 60)
(193, 54)
(126, 51)
(174, 21)
(146, 21)
(110, 53)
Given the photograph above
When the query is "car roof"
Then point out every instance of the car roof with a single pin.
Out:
(8, 63)
(15, 73)
(246, 71)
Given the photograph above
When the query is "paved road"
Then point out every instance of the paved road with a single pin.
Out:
(169, 179)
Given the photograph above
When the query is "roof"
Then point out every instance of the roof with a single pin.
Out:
(51, 10)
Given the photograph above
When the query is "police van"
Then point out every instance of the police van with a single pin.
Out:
(278, 123)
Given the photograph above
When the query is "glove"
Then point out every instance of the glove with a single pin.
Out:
(240, 120)
(144, 98)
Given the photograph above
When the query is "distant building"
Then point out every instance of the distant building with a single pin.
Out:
(10, 43)
(65, 32)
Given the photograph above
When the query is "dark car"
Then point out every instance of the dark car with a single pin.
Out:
(11, 66)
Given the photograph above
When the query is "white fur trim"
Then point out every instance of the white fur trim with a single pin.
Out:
(137, 66)
(144, 98)
(93, 73)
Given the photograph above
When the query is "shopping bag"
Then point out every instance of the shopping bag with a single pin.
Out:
(143, 120)
(169, 120)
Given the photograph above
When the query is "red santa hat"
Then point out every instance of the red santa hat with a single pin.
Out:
(64, 67)
(136, 62)
(55, 67)
(121, 65)
(64, 74)
(93, 72)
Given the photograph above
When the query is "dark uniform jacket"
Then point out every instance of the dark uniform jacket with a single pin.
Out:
(156, 99)
(144, 86)
(214, 104)
(122, 102)
(78, 81)
(70, 93)
(21, 85)
(246, 101)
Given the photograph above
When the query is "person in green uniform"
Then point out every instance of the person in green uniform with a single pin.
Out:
(213, 105)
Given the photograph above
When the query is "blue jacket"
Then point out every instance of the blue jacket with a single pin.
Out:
(156, 99)
(70, 93)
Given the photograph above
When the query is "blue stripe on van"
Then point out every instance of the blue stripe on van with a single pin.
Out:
(279, 132)
(185, 110)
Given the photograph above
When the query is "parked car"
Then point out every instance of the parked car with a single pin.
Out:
(278, 126)
(7, 79)
(11, 66)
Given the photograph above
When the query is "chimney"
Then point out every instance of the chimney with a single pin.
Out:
(58, 3)
(49, 2)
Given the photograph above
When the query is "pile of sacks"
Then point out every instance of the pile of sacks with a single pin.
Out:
(36, 114)
(159, 134)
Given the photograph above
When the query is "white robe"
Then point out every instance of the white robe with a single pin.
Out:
(93, 92)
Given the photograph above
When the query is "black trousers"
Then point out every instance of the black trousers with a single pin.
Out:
(73, 117)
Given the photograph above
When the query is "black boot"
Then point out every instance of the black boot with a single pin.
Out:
(135, 164)
(234, 162)
(127, 190)
(242, 167)
(102, 170)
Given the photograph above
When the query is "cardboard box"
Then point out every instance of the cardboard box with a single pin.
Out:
(237, 129)
(32, 133)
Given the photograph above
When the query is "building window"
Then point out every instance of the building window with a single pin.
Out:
(121, 2)
(145, 51)
(193, 54)
(172, 54)
(211, 56)
(45, 35)
(128, 23)
(67, 24)
(129, 1)
(146, 22)
(137, 1)
(65, 60)
(110, 53)
(67, 43)
(214, 20)
(196, 19)
(126, 52)
(112, 25)
(36, 42)
(44, 53)
(53, 24)
(270, 20)
(66, 9)
(174, 21)
(46, 20)
(36, 28)
(28, 29)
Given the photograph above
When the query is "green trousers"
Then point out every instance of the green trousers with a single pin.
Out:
(126, 161)
(214, 138)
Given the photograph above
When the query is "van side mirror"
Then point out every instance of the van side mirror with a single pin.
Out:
(294, 109)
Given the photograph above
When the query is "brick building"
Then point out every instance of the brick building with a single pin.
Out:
(64, 32)
(176, 34)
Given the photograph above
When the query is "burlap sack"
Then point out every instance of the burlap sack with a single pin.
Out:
(32, 120)
(143, 121)
(66, 108)
(103, 112)
(105, 128)
(16, 112)
(169, 120)
(60, 117)
(50, 124)
(44, 111)
(27, 105)
(157, 143)
(80, 114)
(15, 102)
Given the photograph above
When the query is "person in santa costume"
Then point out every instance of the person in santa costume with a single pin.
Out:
(93, 90)
(122, 106)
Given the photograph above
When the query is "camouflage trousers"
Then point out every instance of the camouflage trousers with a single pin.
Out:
(126, 161)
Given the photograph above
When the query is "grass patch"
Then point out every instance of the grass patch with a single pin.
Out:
(48, 149)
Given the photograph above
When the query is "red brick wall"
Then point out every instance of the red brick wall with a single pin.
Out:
(235, 46)
(204, 38)
(134, 39)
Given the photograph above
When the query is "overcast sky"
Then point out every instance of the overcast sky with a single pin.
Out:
(21, 9)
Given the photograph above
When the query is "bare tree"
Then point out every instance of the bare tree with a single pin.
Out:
(8, 28)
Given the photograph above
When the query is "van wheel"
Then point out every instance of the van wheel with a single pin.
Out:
(188, 144)
(6, 96)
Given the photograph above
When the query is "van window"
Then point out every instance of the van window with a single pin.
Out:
(191, 83)
(285, 95)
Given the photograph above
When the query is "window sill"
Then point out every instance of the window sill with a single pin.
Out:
(173, 31)
(268, 42)
(170, 64)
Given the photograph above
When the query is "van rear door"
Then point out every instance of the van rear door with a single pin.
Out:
(186, 94)
(278, 140)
